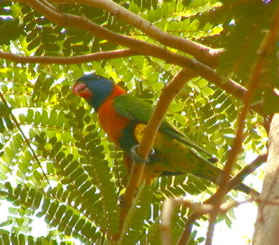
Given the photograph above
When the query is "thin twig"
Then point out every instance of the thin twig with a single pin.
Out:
(185, 236)
(68, 60)
(246, 171)
(197, 210)
(25, 139)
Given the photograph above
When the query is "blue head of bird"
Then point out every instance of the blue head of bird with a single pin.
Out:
(93, 88)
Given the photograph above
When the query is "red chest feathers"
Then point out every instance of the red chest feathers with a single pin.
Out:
(110, 121)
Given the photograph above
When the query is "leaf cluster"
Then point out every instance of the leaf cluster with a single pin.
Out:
(81, 196)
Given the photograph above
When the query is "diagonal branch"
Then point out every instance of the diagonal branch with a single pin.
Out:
(201, 52)
(197, 210)
(185, 236)
(167, 95)
(68, 60)
(136, 178)
(246, 171)
(265, 50)
(138, 46)
(25, 139)
(232, 183)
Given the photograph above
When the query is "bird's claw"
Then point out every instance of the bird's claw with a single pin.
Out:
(137, 158)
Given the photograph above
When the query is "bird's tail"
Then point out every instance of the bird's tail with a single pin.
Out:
(214, 174)
(171, 156)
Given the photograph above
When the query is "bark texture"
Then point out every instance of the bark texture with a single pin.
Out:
(267, 225)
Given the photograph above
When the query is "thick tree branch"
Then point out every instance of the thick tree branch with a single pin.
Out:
(136, 177)
(167, 95)
(68, 60)
(199, 51)
(141, 47)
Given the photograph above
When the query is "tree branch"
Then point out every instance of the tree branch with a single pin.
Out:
(137, 176)
(68, 60)
(232, 183)
(185, 236)
(199, 51)
(167, 95)
(196, 209)
(246, 171)
(265, 49)
(141, 47)
(25, 139)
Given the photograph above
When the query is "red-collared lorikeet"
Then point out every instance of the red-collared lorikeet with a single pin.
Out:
(123, 117)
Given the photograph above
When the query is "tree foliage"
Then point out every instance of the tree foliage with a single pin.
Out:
(55, 161)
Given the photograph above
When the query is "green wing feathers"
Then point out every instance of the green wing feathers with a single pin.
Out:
(139, 110)
(177, 157)
(174, 152)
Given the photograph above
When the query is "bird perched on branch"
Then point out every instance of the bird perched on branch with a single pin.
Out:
(124, 117)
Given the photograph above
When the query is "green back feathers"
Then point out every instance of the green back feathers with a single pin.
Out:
(140, 111)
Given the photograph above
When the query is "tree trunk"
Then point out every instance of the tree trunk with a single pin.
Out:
(267, 225)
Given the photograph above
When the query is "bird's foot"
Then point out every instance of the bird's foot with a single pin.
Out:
(137, 158)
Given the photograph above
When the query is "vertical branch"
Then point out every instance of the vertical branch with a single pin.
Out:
(265, 49)
(137, 174)
(167, 213)
(185, 236)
